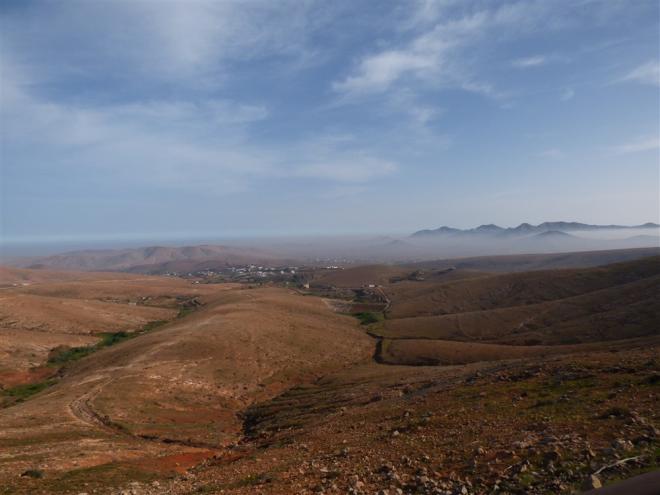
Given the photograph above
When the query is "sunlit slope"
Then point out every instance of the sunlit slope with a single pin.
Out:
(42, 309)
(185, 383)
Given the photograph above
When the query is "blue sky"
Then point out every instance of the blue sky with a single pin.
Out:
(124, 119)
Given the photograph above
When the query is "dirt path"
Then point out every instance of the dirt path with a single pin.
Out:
(81, 408)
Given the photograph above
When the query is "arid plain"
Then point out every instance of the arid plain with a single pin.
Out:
(399, 378)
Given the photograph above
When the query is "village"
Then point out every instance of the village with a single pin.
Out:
(298, 276)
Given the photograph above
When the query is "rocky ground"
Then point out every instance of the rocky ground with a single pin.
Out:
(557, 426)
(267, 390)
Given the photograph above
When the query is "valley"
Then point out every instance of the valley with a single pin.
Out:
(406, 378)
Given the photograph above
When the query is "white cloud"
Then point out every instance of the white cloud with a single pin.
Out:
(567, 94)
(436, 56)
(343, 191)
(378, 72)
(148, 41)
(523, 63)
(648, 73)
(425, 12)
(642, 143)
(552, 153)
(201, 146)
(353, 168)
(423, 114)
(212, 112)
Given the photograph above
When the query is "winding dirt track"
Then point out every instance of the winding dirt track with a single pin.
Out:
(81, 408)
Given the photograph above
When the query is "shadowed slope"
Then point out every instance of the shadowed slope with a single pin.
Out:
(512, 289)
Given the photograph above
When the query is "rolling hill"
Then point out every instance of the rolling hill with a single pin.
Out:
(148, 259)
(472, 379)
(527, 310)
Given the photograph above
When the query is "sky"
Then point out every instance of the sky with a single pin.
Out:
(163, 119)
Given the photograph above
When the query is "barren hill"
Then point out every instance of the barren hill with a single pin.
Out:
(472, 379)
(528, 262)
(512, 289)
(551, 307)
(147, 258)
(180, 388)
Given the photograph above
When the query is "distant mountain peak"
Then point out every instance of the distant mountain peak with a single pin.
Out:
(553, 233)
(527, 228)
(490, 227)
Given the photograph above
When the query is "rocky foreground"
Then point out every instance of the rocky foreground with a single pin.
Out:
(560, 426)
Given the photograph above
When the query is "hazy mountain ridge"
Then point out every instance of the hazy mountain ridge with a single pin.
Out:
(442, 243)
(138, 258)
(526, 229)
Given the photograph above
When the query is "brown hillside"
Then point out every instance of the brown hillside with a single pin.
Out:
(529, 262)
(512, 289)
(267, 390)
(184, 383)
(623, 311)
(127, 259)
(66, 315)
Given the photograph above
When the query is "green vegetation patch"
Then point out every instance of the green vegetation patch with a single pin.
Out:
(21, 392)
(63, 354)
(367, 318)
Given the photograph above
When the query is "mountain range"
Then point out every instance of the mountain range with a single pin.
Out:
(527, 229)
(151, 259)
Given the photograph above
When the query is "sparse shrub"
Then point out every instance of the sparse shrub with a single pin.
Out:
(184, 311)
(109, 339)
(367, 318)
(64, 354)
(33, 473)
(152, 325)
(21, 392)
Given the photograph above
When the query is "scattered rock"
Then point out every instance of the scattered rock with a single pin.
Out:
(552, 456)
(591, 483)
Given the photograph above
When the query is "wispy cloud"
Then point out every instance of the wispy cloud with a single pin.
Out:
(553, 153)
(642, 143)
(193, 42)
(343, 191)
(567, 94)
(523, 63)
(648, 73)
(201, 145)
(431, 56)
(441, 53)
(356, 168)
(160, 103)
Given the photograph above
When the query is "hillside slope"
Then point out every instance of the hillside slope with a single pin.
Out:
(140, 258)
(179, 389)
(512, 289)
